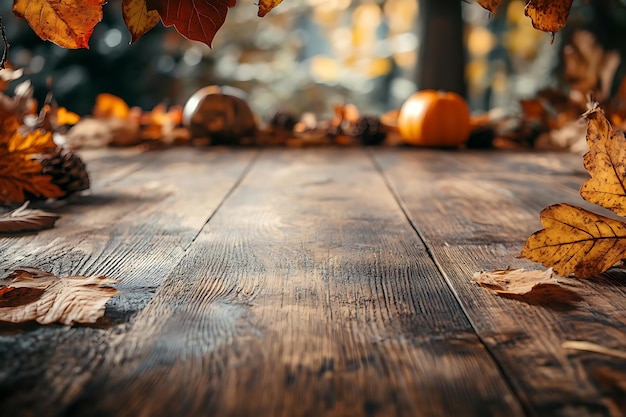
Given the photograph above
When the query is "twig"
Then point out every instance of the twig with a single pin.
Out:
(5, 52)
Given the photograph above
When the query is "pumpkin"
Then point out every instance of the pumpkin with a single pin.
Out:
(434, 118)
(221, 114)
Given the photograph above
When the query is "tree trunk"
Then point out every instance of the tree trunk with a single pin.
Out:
(441, 56)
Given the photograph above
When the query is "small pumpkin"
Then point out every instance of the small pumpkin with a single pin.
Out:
(434, 118)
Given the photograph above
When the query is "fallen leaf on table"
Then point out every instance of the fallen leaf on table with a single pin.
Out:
(110, 106)
(605, 163)
(515, 281)
(576, 241)
(32, 294)
(23, 219)
(593, 347)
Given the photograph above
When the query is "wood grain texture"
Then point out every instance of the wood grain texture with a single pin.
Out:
(143, 211)
(307, 294)
(474, 211)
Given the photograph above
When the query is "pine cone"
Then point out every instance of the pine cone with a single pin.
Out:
(67, 170)
(369, 130)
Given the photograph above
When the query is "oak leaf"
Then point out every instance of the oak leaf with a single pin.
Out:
(198, 20)
(576, 241)
(24, 219)
(138, 18)
(32, 294)
(67, 23)
(606, 162)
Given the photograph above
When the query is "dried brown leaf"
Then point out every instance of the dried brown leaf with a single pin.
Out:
(32, 294)
(548, 15)
(23, 219)
(515, 281)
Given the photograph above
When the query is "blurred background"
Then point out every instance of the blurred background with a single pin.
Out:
(308, 55)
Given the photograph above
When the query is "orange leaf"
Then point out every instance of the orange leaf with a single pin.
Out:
(198, 20)
(605, 163)
(37, 141)
(67, 23)
(266, 6)
(548, 15)
(490, 5)
(108, 105)
(66, 117)
(576, 241)
(19, 176)
(137, 17)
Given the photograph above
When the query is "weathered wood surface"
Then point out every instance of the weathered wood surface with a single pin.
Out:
(318, 282)
(474, 211)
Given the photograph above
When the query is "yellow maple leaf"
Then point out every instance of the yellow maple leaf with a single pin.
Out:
(266, 6)
(605, 163)
(576, 241)
(137, 17)
(67, 23)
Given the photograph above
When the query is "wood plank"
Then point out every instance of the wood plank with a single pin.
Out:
(307, 294)
(142, 214)
(474, 211)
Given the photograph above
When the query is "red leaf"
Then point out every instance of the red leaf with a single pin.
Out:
(198, 20)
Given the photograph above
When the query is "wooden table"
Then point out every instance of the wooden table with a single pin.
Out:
(313, 282)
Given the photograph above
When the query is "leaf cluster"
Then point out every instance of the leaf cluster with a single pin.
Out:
(577, 241)
(25, 145)
(70, 23)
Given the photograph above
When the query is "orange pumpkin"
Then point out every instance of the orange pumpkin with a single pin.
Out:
(434, 118)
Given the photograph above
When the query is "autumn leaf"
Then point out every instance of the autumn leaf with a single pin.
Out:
(266, 6)
(32, 294)
(605, 163)
(110, 106)
(490, 5)
(548, 15)
(66, 117)
(67, 23)
(23, 219)
(137, 18)
(19, 177)
(37, 141)
(576, 241)
(515, 281)
(198, 20)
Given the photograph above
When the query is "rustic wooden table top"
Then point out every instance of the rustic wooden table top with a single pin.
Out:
(316, 282)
